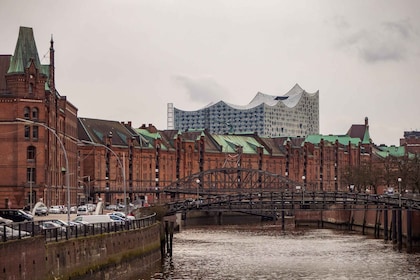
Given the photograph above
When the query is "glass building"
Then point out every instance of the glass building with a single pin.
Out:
(294, 114)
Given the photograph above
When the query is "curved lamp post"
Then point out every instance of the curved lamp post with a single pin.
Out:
(119, 163)
(198, 191)
(67, 177)
(399, 192)
(303, 189)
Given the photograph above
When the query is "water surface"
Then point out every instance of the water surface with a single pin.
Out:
(266, 252)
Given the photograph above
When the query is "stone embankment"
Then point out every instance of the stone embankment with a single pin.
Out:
(103, 256)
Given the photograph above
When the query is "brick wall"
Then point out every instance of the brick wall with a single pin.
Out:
(95, 257)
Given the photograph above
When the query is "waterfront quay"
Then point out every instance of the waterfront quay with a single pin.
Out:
(101, 252)
(84, 252)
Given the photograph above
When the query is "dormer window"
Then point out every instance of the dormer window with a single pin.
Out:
(31, 88)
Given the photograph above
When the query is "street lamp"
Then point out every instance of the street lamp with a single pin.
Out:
(303, 189)
(198, 190)
(122, 167)
(67, 175)
(399, 192)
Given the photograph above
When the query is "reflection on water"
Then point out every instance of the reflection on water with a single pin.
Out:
(265, 252)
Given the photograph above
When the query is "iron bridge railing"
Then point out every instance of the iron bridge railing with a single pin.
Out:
(268, 203)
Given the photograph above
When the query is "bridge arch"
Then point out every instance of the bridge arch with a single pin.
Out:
(231, 180)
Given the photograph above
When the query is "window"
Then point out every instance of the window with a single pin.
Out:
(30, 153)
(27, 131)
(35, 132)
(35, 113)
(26, 113)
(30, 175)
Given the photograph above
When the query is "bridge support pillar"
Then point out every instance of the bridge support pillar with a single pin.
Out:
(394, 226)
(219, 218)
(386, 224)
(409, 230)
(169, 235)
(282, 220)
(400, 233)
(377, 228)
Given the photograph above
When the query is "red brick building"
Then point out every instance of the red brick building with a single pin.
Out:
(153, 159)
(32, 160)
(111, 160)
(411, 141)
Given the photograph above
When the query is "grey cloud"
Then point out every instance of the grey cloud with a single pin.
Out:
(391, 41)
(382, 52)
(339, 22)
(402, 28)
(204, 89)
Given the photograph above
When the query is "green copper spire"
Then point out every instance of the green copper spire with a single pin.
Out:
(25, 51)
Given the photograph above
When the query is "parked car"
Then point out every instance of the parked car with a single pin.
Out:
(49, 225)
(4, 221)
(93, 219)
(78, 222)
(73, 209)
(12, 233)
(82, 210)
(91, 207)
(122, 215)
(111, 207)
(55, 209)
(16, 215)
(60, 222)
(41, 210)
(117, 219)
(63, 209)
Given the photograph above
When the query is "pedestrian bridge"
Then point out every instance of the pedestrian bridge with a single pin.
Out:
(263, 193)
(270, 204)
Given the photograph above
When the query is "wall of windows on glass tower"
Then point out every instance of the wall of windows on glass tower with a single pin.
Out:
(294, 114)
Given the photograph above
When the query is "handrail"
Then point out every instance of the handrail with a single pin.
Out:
(24, 230)
(292, 200)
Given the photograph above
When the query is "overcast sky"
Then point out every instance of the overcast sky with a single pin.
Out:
(125, 60)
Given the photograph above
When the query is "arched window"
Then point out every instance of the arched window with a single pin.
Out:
(26, 113)
(35, 113)
(30, 153)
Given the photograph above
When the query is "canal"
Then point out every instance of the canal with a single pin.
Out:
(266, 252)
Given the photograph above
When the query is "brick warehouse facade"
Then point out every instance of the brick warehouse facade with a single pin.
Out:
(154, 158)
(31, 156)
(104, 155)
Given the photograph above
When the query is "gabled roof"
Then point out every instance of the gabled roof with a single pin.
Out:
(342, 139)
(394, 151)
(275, 144)
(295, 142)
(360, 131)
(151, 138)
(230, 143)
(96, 131)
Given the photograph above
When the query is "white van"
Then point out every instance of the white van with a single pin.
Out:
(93, 219)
